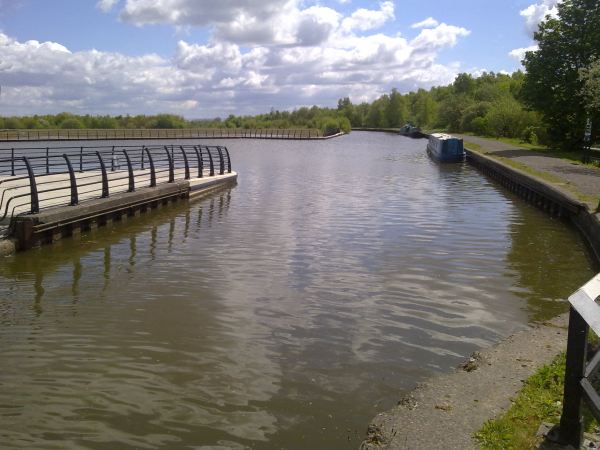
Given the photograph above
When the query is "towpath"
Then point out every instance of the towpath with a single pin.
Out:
(581, 180)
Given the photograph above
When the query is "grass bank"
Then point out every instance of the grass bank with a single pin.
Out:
(540, 400)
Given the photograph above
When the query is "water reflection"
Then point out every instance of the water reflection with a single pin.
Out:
(541, 259)
(284, 313)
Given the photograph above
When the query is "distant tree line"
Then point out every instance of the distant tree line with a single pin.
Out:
(328, 120)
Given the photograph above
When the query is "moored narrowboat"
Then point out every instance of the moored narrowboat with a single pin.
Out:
(410, 130)
(445, 148)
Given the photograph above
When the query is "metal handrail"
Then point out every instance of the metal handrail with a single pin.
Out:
(181, 133)
(71, 175)
(583, 315)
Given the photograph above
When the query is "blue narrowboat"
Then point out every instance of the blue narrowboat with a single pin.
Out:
(445, 148)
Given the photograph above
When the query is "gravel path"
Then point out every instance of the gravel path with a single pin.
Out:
(584, 179)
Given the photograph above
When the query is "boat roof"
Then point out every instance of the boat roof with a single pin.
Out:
(442, 136)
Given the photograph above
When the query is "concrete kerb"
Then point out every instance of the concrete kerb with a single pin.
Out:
(529, 181)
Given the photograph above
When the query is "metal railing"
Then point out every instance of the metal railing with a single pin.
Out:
(32, 179)
(579, 373)
(177, 133)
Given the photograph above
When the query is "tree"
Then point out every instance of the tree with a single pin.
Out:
(395, 111)
(452, 111)
(71, 123)
(590, 77)
(464, 83)
(552, 83)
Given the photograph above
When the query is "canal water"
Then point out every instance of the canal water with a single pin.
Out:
(283, 313)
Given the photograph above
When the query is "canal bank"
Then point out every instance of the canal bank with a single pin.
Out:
(445, 411)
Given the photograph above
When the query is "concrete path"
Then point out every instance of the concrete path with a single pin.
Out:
(578, 178)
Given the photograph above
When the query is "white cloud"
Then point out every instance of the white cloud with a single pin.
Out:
(427, 23)
(255, 22)
(430, 39)
(300, 56)
(366, 19)
(537, 12)
(106, 5)
(247, 21)
(534, 14)
(519, 53)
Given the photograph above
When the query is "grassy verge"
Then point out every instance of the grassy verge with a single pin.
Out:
(539, 401)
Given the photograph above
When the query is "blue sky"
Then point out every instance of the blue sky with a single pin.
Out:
(206, 59)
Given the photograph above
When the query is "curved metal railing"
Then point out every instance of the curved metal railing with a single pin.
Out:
(175, 133)
(32, 179)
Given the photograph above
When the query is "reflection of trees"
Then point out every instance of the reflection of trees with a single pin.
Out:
(549, 261)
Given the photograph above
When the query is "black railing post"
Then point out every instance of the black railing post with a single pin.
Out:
(152, 170)
(81, 159)
(571, 421)
(171, 168)
(221, 161)
(200, 162)
(185, 161)
(113, 160)
(47, 160)
(228, 159)
(105, 192)
(12, 162)
(35, 204)
(74, 195)
(212, 164)
(130, 169)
